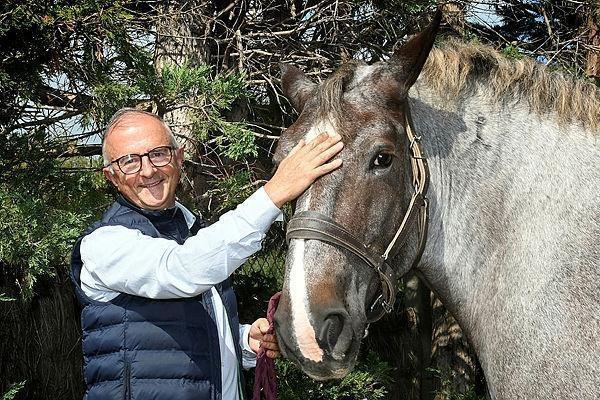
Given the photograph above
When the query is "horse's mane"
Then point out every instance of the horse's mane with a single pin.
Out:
(454, 68)
(331, 91)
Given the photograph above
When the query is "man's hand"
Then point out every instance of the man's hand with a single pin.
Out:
(304, 164)
(259, 338)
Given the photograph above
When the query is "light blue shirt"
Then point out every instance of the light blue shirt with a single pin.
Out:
(118, 260)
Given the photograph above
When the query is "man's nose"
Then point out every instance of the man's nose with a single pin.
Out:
(148, 169)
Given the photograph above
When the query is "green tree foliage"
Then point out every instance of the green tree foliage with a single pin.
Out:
(53, 41)
(67, 67)
(449, 389)
(39, 222)
(52, 59)
(13, 390)
(368, 381)
(4, 298)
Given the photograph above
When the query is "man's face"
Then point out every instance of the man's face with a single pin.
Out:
(152, 188)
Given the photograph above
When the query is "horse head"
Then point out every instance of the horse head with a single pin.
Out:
(335, 275)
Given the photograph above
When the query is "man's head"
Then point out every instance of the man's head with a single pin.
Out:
(131, 132)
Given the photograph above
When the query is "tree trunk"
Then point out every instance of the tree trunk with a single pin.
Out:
(592, 64)
(182, 27)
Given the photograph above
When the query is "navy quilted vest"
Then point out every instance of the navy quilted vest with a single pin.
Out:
(146, 349)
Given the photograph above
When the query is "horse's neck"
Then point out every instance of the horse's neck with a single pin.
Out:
(502, 182)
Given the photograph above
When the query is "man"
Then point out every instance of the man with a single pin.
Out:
(159, 315)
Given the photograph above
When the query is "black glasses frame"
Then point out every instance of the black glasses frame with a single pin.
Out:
(141, 156)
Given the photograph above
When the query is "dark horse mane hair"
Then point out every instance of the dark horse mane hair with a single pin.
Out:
(453, 69)
(331, 91)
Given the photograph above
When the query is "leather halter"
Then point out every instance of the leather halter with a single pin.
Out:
(316, 226)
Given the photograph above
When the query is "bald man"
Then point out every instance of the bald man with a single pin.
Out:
(159, 315)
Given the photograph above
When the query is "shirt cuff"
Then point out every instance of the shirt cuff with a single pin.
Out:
(260, 210)
(248, 356)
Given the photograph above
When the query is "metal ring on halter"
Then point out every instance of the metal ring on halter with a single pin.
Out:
(372, 314)
(387, 307)
(375, 302)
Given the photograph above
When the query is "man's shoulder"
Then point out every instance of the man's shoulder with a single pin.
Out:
(119, 215)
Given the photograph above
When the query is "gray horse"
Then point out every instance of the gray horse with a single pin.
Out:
(513, 245)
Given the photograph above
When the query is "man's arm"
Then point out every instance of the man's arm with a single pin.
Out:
(118, 259)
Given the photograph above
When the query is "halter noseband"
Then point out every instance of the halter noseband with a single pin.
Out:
(317, 226)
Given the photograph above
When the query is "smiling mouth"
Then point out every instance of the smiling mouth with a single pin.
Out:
(152, 184)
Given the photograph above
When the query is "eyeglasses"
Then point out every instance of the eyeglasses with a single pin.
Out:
(132, 163)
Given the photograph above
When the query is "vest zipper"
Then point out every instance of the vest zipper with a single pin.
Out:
(127, 379)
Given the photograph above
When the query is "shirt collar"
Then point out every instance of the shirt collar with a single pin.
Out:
(167, 213)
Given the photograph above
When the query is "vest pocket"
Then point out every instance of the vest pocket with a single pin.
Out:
(127, 381)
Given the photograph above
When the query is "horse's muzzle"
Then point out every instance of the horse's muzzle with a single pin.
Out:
(334, 335)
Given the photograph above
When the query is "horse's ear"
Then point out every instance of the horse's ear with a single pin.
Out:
(408, 59)
(296, 86)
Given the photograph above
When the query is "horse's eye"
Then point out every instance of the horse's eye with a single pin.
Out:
(383, 160)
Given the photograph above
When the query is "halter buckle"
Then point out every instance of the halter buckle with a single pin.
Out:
(387, 306)
(414, 140)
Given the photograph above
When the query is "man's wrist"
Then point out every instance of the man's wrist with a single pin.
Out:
(245, 339)
(277, 197)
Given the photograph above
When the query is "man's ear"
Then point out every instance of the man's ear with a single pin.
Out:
(180, 155)
(110, 175)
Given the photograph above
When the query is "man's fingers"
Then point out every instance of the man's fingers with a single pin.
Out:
(319, 139)
(324, 152)
(259, 327)
(321, 142)
(328, 167)
(328, 153)
(301, 167)
(269, 337)
(325, 142)
(269, 345)
(263, 326)
(297, 147)
(307, 152)
(273, 354)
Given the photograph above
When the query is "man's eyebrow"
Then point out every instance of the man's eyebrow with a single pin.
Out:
(147, 151)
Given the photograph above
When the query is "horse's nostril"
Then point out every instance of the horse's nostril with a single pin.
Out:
(331, 329)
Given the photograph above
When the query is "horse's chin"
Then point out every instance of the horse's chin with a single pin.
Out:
(335, 374)
(331, 367)
(326, 370)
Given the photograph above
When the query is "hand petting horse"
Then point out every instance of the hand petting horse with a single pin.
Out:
(509, 208)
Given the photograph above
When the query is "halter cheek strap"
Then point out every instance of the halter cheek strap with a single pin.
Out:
(317, 226)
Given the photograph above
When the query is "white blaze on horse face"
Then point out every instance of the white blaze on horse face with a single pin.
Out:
(361, 73)
(303, 329)
(324, 126)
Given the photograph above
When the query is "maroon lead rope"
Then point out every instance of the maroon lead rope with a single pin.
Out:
(264, 375)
